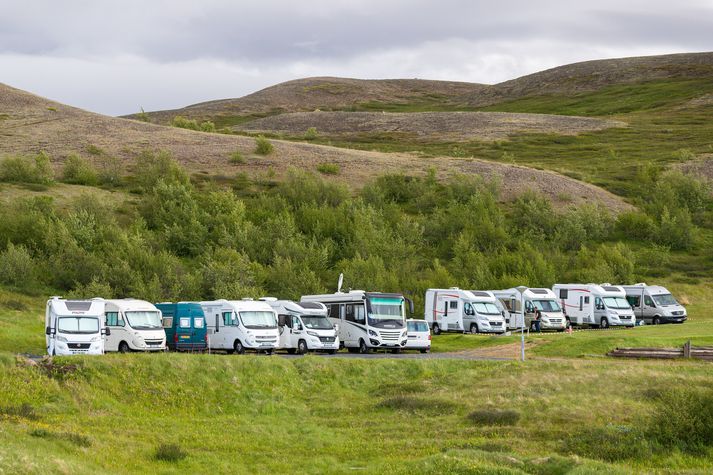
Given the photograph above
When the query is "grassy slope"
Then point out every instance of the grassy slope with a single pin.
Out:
(311, 415)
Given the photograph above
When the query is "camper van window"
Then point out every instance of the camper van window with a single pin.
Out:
(665, 300)
(258, 319)
(385, 310)
(633, 300)
(586, 299)
(617, 302)
(333, 310)
(78, 325)
(198, 322)
(648, 301)
(167, 322)
(454, 304)
(112, 319)
(486, 308)
(229, 319)
(563, 293)
(185, 323)
(354, 313)
(468, 309)
(143, 320)
(529, 307)
(317, 322)
(547, 305)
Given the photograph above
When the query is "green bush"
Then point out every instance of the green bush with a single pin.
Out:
(110, 170)
(328, 168)
(311, 134)
(142, 116)
(94, 150)
(683, 418)
(169, 453)
(184, 123)
(494, 417)
(207, 126)
(24, 169)
(263, 146)
(17, 267)
(236, 158)
(79, 171)
(150, 167)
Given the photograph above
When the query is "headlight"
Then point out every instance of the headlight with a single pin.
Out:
(373, 333)
(94, 338)
(403, 335)
(313, 334)
(62, 339)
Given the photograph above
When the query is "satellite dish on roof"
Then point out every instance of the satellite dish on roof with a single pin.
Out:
(340, 282)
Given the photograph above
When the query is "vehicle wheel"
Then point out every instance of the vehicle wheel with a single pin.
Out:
(269, 352)
(332, 352)
(363, 349)
(123, 347)
(436, 329)
(396, 351)
(473, 328)
(604, 323)
(352, 350)
(302, 347)
(656, 321)
(423, 351)
(238, 347)
(291, 351)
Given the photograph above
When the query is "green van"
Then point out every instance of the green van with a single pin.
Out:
(184, 324)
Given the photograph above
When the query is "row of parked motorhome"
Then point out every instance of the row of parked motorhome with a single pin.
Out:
(356, 320)
(497, 311)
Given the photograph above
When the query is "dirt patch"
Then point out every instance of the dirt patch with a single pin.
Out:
(511, 350)
(428, 126)
(701, 167)
(36, 124)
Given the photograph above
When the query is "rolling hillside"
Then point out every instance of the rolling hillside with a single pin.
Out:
(31, 124)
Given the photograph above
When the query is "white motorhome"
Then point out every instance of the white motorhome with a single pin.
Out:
(654, 304)
(367, 320)
(602, 305)
(304, 326)
(239, 325)
(523, 308)
(75, 327)
(474, 311)
(135, 325)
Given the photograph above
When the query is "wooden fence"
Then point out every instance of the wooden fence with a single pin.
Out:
(687, 351)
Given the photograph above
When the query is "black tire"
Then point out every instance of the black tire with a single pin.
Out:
(363, 349)
(396, 351)
(238, 347)
(302, 347)
(270, 352)
(124, 347)
(474, 329)
(291, 351)
(604, 323)
(436, 329)
(332, 352)
(656, 321)
(352, 349)
(423, 351)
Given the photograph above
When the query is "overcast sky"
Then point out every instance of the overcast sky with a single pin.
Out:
(117, 56)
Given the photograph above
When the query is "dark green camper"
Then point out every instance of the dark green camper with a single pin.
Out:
(184, 324)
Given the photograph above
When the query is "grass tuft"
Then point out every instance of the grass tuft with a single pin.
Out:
(328, 168)
(263, 146)
(494, 417)
(169, 453)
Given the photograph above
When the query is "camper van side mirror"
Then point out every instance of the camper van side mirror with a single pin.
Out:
(410, 305)
(48, 331)
(107, 331)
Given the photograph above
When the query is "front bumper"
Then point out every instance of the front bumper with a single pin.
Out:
(66, 349)
(674, 319)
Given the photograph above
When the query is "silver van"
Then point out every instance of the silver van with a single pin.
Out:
(654, 304)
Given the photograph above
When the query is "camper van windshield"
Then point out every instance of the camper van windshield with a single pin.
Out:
(144, 320)
(486, 308)
(546, 305)
(617, 302)
(78, 325)
(665, 300)
(258, 319)
(316, 322)
(385, 311)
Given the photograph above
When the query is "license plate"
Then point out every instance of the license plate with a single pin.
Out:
(185, 337)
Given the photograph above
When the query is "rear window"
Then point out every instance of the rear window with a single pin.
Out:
(417, 326)
(198, 322)
(167, 322)
(185, 323)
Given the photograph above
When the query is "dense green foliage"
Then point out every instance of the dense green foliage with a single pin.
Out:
(192, 124)
(23, 169)
(400, 233)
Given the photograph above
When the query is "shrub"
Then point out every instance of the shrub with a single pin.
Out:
(311, 134)
(150, 167)
(263, 146)
(328, 168)
(169, 453)
(24, 169)
(683, 418)
(143, 116)
(79, 171)
(236, 157)
(110, 170)
(94, 150)
(494, 417)
(207, 126)
(184, 123)
(17, 268)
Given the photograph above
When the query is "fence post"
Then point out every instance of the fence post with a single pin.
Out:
(687, 349)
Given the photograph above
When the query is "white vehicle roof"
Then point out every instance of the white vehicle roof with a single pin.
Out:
(470, 295)
(129, 305)
(352, 295)
(417, 320)
(290, 306)
(651, 289)
(600, 290)
(241, 305)
(530, 293)
(93, 307)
